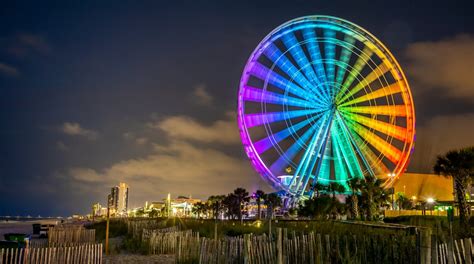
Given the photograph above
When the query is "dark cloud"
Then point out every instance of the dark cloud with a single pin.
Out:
(25, 44)
(187, 128)
(201, 95)
(180, 167)
(439, 135)
(444, 67)
(75, 129)
(8, 70)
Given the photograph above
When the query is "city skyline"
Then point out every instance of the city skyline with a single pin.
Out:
(94, 95)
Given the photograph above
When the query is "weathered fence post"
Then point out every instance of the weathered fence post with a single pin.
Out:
(320, 249)
(434, 249)
(279, 246)
(467, 250)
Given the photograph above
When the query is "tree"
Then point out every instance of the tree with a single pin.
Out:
(216, 204)
(458, 164)
(231, 205)
(355, 185)
(199, 208)
(242, 197)
(272, 201)
(259, 195)
(403, 202)
(335, 187)
(321, 207)
(373, 196)
(318, 188)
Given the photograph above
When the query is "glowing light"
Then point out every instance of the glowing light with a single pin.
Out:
(321, 99)
(430, 200)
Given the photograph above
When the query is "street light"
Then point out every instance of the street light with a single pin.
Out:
(430, 201)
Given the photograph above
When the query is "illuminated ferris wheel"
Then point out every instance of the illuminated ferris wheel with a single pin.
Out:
(323, 100)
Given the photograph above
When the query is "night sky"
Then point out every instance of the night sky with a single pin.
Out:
(96, 93)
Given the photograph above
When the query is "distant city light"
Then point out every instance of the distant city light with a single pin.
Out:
(430, 200)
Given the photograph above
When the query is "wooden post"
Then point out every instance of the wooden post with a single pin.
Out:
(467, 250)
(107, 231)
(425, 245)
(215, 230)
(270, 228)
(328, 249)
(434, 249)
(279, 246)
(320, 249)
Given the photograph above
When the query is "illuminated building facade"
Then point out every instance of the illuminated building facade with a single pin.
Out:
(118, 199)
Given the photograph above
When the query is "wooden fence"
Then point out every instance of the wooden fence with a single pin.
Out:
(70, 236)
(285, 247)
(87, 253)
(461, 251)
(38, 243)
(136, 227)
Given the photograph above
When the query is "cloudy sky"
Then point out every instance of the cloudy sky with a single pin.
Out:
(93, 94)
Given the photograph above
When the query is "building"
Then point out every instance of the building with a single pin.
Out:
(181, 206)
(118, 200)
(422, 187)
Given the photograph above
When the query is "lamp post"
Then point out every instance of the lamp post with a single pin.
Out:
(392, 176)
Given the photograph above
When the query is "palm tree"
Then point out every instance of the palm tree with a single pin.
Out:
(259, 194)
(216, 203)
(318, 188)
(335, 187)
(403, 202)
(231, 205)
(355, 185)
(199, 208)
(241, 196)
(272, 201)
(373, 195)
(458, 164)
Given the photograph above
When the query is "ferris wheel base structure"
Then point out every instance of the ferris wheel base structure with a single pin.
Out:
(321, 100)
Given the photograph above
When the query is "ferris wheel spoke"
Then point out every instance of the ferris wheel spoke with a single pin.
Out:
(389, 110)
(374, 163)
(303, 163)
(344, 58)
(361, 61)
(340, 171)
(329, 55)
(374, 75)
(312, 155)
(324, 169)
(294, 47)
(388, 150)
(273, 53)
(291, 152)
(359, 147)
(266, 143)
(252, 120)
(260, 71)
(388, 129)
(262, 96)
(313, 49)
(347, 149)
(384, 91)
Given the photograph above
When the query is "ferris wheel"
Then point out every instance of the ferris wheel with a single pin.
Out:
(323, 100)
